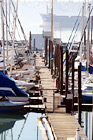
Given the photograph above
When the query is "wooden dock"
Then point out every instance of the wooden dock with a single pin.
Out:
(63, 125)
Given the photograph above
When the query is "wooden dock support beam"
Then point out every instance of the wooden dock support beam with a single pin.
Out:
(79, 95)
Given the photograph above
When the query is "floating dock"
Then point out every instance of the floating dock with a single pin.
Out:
(63, 124)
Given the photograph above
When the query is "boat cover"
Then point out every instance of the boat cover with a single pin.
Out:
(5, 81)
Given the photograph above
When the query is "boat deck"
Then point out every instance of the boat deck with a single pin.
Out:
(63, 125)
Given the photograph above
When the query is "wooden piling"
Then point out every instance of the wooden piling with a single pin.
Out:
(79, 95)
(57, 61)
(67, 67)
(55, 58)
(51, 57)
(30, 49)
(68, 94)
(72, 85)
(61, 71)
(49, 53)
(51, 66)
(34, 48)
(46, 42)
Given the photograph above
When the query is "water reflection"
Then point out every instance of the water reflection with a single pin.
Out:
(20, 127)
(86, 123)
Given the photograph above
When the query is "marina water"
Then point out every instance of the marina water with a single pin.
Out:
(19, 127)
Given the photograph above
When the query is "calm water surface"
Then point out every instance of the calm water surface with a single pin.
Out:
(20, 127)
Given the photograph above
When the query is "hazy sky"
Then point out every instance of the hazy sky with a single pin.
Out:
(29, 12)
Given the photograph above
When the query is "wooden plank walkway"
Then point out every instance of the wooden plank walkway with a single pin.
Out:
(63, 125)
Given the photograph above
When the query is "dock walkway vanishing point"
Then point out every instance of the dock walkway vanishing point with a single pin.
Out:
(63, 124)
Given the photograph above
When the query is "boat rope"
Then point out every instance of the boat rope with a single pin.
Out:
(83, 33)
(72, 32)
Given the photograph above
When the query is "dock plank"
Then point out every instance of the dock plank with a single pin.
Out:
(63, 125)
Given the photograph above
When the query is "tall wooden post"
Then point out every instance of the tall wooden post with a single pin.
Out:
(57, 61)
(49, 52)
(72, 85)
(68, 94)
(55, 57)
(79, 95)
(34, 48)
(30, 49)
(46, 41)
(61, 71)
(67, 67)
(51, 57)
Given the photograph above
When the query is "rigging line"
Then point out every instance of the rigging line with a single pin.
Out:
(23, 126)
(20, 24)
(9, 31)
(74, 35)
(83, 33)
(72, 40)
(72, 32)
(7, 23)
(17, 31)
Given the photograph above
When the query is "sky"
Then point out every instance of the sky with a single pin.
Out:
(29, 12)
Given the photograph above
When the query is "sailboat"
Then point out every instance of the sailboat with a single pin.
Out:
(9, 88)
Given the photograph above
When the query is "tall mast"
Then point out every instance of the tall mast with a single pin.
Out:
(20, 24)
(9, 15)
(6, 32)
(52, 22)
(14, 28)
(82, 30)
(91, 40)
(88, 37)
(2, 22)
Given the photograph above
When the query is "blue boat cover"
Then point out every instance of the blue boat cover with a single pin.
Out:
(5, 81)
(83, 68)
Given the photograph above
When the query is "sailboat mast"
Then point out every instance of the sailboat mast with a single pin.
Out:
(2, 23)
(14, 28)
(88, 38)
(6, 32)
(52, 22)
(82, 30)
(91, 59)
